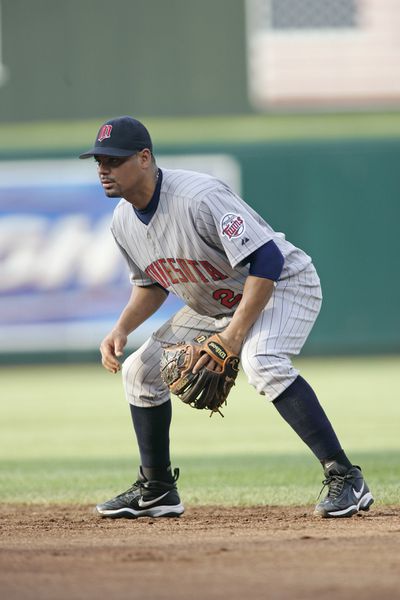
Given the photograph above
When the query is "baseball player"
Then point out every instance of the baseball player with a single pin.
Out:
(189, 234)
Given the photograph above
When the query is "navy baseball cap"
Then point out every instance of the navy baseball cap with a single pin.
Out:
(122, 136)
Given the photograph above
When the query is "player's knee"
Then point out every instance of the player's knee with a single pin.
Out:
(269, 375)
(142, 384)
(131, 368)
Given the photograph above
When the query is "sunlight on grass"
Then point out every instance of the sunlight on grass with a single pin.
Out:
(66, 435)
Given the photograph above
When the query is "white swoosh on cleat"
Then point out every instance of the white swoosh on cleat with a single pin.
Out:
(358, 494)
(143, 503)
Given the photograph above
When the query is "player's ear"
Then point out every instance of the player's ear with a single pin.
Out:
(145, 157)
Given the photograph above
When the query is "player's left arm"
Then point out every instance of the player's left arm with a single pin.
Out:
(257, 292)
(266, 265)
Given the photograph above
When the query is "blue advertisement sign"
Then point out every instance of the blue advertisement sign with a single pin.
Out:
(63, 281)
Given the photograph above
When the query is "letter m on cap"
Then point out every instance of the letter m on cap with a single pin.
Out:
(105, 132)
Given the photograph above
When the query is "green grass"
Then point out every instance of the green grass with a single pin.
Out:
(65, 436)
(72, 135)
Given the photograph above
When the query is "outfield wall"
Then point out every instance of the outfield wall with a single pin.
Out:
(63, 283)
(96, 58)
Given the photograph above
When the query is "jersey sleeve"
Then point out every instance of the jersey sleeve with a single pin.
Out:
(137, 276)
(226, 222)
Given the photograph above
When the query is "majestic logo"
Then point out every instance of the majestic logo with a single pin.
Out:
(232, 226)
(105, 132)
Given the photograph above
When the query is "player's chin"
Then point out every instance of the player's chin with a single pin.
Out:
(111, 193)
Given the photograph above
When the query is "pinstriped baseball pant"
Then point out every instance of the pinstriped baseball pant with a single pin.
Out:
(278, 334)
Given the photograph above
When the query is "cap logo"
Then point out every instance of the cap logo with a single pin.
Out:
(105, 132)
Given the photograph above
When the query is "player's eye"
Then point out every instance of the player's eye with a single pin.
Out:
(109, 162)
(115, 162)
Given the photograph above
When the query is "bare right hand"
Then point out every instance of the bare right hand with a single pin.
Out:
(111, 348)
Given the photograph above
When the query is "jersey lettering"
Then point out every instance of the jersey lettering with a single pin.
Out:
(186, 269)
(167, 270)
(179, 272)
(154, 273)
(227, 297)
(194, 264)
(211, 270)
(164, 271)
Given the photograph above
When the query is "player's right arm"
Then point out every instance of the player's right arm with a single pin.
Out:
(143, 303)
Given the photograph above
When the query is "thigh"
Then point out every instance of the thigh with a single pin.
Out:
(186, 324)
(286, 322)
(280, 332)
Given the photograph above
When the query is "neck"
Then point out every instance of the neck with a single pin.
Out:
(143, 193)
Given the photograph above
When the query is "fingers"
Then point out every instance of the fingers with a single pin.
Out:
(203, 360)
(111, 348)
(206, 361)
(108, 359)
(214, 366)
(119, 341)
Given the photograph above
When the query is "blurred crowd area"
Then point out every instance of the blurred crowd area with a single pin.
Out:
(62, 281)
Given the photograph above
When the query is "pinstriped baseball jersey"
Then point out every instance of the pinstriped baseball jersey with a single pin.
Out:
(197, 242)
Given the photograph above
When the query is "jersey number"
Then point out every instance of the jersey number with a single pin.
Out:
(227, 297)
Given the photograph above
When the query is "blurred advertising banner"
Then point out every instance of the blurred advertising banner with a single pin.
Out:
(63, 282)
(330, 53)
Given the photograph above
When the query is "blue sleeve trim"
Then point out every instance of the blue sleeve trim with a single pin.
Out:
(161, 287)
(156, 284)
(267, 261)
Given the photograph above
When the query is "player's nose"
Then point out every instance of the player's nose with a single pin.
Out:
(103, 168)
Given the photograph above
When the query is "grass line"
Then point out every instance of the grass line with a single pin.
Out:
(74, 134)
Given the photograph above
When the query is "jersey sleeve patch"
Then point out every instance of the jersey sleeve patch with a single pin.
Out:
(232, 226)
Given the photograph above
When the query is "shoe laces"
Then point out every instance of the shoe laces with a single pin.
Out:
(134, 487)
(335, 485)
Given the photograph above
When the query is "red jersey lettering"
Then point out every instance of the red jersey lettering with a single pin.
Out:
(212, 271)
(167, 270)
(179, 272)
(153, 273)
(195, 266)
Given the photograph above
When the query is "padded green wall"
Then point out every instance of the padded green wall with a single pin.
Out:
(95, 58)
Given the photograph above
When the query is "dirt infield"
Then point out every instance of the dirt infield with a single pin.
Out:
(210, 553)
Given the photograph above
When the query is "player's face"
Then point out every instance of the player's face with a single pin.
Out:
(120, 176)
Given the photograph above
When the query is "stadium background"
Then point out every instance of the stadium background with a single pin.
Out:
(214, 102)
(295, 104)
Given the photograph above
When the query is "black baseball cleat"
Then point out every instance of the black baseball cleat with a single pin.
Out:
(145, 499)
(347, 492)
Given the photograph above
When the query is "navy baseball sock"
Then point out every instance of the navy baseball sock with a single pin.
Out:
(152, 432)
(300, 408)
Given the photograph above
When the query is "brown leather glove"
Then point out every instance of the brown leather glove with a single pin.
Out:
(206, 389)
